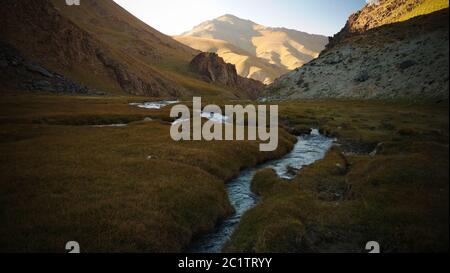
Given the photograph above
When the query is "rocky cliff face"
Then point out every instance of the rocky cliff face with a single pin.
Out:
(371, 60)
(214, 69)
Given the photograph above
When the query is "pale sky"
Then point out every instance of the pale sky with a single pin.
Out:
(174, 17)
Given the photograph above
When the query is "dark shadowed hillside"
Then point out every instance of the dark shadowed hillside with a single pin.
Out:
(100, 45)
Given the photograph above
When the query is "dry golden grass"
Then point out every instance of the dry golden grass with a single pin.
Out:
(398, 197)
(124, 189)
(134, 189)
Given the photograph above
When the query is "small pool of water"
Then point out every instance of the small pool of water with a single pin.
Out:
(155, 104)
(111, 125)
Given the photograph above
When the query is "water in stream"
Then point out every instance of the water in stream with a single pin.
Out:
(308, 149)
(155, 104)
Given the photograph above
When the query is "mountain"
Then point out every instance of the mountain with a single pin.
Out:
(390, 50)
(387, 12)
(259, 52)
(97, 45)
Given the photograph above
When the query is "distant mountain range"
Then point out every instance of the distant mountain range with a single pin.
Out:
(259, 52)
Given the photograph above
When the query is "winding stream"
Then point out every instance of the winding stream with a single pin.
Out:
(308, 149)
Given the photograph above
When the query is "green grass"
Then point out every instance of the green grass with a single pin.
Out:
(398, 197)
(427, 7)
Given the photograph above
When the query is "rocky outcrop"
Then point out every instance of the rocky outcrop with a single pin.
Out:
(403, 60)
(214, 69)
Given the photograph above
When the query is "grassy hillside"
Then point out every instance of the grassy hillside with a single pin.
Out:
(426, 7)
(102, 46)
(111, 23)
(114, 26)
(391, 11)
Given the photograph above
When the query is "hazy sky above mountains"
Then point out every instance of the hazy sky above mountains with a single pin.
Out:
(173, 17)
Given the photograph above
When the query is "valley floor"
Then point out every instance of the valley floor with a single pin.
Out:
(131, 188)
(386, 180)
(120, 189)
